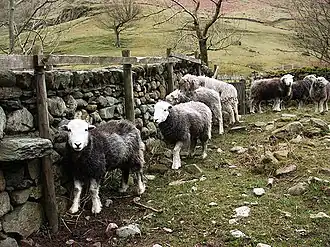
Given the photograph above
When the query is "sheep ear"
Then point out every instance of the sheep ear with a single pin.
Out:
(91, 127)
(64, 127)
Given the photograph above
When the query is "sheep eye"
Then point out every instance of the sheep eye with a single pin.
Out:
(86, 129)
(69, 130)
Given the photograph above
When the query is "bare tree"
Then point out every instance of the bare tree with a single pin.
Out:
(312, 27)
(30, 22)
(119, 15)
(202, 25)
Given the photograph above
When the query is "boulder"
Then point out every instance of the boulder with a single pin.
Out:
(285, 170)
(108, 112)
(24, 220)
(320, 124)
(24, 148)
(10, 92)
(7, 78)
(19, 121)
(298, 189)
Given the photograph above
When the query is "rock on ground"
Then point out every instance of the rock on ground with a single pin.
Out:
(127, 231)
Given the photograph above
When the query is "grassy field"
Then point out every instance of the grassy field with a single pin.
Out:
(198, 211)
(263, 46)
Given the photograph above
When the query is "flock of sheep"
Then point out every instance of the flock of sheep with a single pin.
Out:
(186, 116)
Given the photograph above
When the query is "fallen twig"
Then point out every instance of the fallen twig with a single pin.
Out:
(136, 201)
(66, 226)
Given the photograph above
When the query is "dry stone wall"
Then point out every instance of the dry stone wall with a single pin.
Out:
(94, 95)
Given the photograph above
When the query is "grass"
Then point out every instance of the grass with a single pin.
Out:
(193, 221)
(262, 48)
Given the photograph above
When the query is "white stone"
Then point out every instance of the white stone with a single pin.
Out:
(167, 230)
(263, 245)
(130, 230)
(243, 211)
(150, 177)
(259, 191)
(156, 245)
(212, 204)
(233, 221)
(319, 215)
(237, 234)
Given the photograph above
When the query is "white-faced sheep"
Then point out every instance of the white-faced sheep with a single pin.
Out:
(205, 95)
(227, 92)
(92, 151)
(300, 91)
(319, 92)
(270, 89)
(184, 124)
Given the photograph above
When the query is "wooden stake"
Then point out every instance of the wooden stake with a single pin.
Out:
(128, 88)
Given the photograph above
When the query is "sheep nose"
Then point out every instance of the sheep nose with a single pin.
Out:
(77, 144)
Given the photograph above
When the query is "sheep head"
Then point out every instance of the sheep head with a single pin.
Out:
(287, 81)
(162, 110)
(310, 78)
(189, 83)
(319, 83)
(174, 97)
(78, 133)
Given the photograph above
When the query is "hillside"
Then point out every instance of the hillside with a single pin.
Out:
(265, 37)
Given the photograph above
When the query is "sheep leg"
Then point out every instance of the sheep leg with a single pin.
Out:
(204, 149)
(252, 106)
(76, 199)
(192, 148)
(277, 105)
(141, 187)
(259, 107)
(321, 106)
(176, 156)
(235, 106)
(94, 191)
(124, 180)
(326, 106)
(300, 104)
(316, 107)
(231, 115)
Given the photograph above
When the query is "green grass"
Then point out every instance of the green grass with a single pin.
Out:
(262, 48)
(187, 212)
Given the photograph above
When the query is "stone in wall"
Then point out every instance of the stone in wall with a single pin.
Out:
(71, 104)
(108, 112)
(20, 196)
(56, 106)
(19, 121)
(24, 220)
(2, 181)
(25, 79)
(33, 167)
(7, 78)
(3, 121)
(8, 242)
(10, 93)
(15, 148)
(4, 203)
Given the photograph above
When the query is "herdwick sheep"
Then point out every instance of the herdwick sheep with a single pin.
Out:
(92, 151)
(300, 91)
(205, 95)
(184, 124)
(270, 89)
(319, 92)
(227, 92)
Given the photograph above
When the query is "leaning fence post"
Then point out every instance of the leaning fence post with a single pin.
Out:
(128, 88)
(44, 132)
(170, 82)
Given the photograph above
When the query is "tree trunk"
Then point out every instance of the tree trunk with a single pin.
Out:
(117, 38)
(203, 50)
(11, 26)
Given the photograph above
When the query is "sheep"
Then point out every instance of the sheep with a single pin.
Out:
(184, 124)
(270, 89)
(205, 95)
(300, 91)
(92, 151)
(227, 92)
(319, 92)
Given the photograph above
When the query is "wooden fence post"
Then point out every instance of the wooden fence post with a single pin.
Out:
(199, 66)
(170, 82)
(241, 95)
(50, 206)
(128, 88)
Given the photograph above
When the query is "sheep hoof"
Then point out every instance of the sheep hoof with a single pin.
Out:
(74, 209)
(204, 155)
(96, 209)
(141, 189)
(176, 165)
